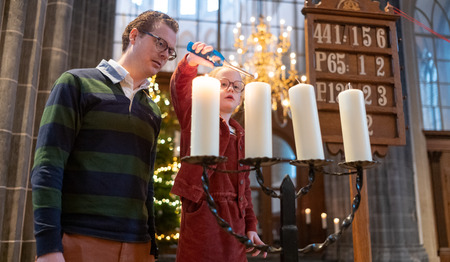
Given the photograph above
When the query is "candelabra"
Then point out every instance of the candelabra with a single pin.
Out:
(288, 232)
(258, 147)
(263, 54)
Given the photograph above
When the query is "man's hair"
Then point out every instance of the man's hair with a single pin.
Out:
(147, 21)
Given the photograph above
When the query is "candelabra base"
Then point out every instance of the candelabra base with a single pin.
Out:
(358, 164)
(311, 162)
(287, 197)
(261, 161)
(204, 160)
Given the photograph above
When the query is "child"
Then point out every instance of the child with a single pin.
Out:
(201, 237)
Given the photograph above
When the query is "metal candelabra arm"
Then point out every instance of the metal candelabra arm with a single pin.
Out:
(265, 161)
(314, 165)
(347, 221)
(359, 166)
(267, 190)
(311, 178)
(224, 224)
(205, 162)
(259, 162)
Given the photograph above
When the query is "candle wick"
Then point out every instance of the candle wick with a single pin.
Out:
(298, 80)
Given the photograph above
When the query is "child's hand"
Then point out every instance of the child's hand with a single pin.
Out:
(195, 60)
(253, 236)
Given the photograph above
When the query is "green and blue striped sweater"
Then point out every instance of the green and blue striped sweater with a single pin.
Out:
(94, 162)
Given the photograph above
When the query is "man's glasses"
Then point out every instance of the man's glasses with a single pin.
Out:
(238, 86)
(162, 45)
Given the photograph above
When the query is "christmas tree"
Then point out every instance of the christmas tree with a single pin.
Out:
(167, 206)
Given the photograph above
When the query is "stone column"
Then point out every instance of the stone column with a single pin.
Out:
(36, 41)
(392, 210)
(394, 227)
(424, 188)
(55, 43)
(13, 132)
(92, 32)
(25, 66)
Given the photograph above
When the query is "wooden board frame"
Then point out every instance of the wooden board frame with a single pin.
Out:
(354, 43)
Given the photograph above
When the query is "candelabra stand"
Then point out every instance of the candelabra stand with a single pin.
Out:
(288, 232)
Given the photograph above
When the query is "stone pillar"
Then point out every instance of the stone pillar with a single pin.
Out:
(38, 42)
(53, 62)
(392, 210)
(30, 31)
(92, 32)
(424, 187)
(15, 137)
(394, 227)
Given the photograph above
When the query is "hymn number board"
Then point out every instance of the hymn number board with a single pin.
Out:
(353, 44)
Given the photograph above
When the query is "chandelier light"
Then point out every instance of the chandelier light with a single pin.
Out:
(264, 54)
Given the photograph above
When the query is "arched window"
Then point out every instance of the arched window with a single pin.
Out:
(434, 62)
(213, 21)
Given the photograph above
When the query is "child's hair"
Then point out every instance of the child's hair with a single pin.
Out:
(216, 70)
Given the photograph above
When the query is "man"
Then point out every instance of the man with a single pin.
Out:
(95, 153)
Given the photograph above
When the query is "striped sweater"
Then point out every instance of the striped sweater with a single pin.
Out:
(94, 162)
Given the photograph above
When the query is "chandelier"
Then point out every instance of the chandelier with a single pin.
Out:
(263, 54)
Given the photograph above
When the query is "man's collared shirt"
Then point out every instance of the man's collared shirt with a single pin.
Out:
(118, 74)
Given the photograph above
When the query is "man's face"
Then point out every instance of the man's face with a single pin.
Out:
(150, 57)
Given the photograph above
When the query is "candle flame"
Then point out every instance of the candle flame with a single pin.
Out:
(303, 78)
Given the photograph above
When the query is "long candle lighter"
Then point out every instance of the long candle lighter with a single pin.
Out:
(217, 59)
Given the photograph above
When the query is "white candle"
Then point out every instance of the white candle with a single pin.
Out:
(308, 216)
(324, 220)
(205, 116)
(258, 120)
(336, 225)
(305, 121)
(355, 133)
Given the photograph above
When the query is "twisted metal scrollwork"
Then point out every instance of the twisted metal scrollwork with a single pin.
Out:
(314, 165)
(224, 224)
(316, 247)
